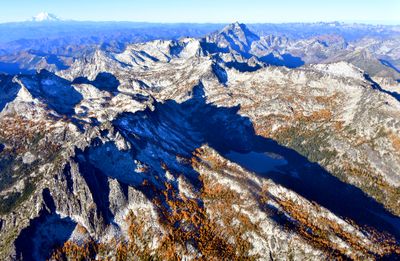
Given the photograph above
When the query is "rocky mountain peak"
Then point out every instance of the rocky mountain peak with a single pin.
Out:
(235, 26)
(235, 36)
(152, 151)
(240, 31)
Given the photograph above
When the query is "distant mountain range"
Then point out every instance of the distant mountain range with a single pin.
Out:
(55, 44)
(131, 141)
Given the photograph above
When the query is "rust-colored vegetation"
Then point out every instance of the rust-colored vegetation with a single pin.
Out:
(317, 230)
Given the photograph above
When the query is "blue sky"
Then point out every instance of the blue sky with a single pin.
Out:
(225, 11)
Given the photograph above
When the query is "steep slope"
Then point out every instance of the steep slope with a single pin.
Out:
(235, 37)
(341, 102)
(172, 150)
(290, 45)
(370, 63)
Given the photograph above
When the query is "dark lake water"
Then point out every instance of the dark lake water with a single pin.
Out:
(256, 161)
(183, 127)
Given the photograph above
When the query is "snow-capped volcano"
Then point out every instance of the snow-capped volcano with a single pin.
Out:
(45, 17)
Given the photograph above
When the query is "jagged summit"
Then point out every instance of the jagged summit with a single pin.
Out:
(151, 149)
(236, 36)
(45, 17)
(235, 25)
(241, 31)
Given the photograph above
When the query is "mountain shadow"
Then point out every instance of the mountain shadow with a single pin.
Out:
(53, 59)
(242, 67)
(376, 86)
(56, 92)
(286, 60)
(98, 186)
(389, 64)
(104, 81)
(14, 68)
(179, 128)
(44, 233)
(8, 90)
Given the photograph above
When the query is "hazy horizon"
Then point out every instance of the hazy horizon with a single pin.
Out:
(384, 23)
(383, 12)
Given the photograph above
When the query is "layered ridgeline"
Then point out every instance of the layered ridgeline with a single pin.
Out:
(199, 149)
(47, 42)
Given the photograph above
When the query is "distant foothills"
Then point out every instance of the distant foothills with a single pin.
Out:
(47, 42)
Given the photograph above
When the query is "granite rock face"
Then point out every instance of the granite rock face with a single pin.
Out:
(198, 148)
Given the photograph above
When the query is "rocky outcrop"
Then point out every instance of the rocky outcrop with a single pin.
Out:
(187, 150)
